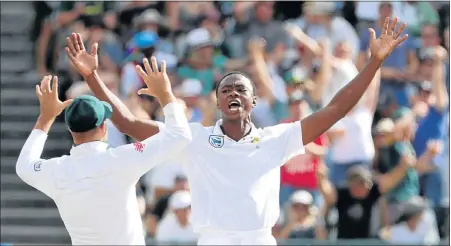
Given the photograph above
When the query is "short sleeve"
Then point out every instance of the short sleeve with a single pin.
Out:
(289, 139)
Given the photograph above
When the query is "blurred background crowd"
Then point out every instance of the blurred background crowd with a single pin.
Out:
(313, 49)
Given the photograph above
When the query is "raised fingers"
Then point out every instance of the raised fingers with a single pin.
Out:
(75, 41)
(141, 72)
(55, 86)
(147, 66)
(392, 26)
(400, 40)
(80, 41)
(45, 85)
(163, 66)
(154, 64)
(399, 31)
(69, 54)
(70, 46)
(38, 92)
(385, 25)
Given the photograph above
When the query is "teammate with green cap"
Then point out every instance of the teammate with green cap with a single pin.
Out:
(94, 187)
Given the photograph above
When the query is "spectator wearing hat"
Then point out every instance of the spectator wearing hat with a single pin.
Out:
(355, 202)
(400, 67)
(162, 182)
(299, 173)
(151, 20)
(130, 10)
(301, 221)
(190, 91)
(175, 226)
(200, 61)
(142, 45)
(415, 227)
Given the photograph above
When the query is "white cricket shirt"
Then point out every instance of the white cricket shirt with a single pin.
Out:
(235, 185)
(94, 187)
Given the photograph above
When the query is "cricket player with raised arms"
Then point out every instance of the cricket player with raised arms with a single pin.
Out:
(94, 186)
(233, 168)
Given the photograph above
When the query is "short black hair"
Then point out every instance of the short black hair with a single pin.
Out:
(254, 88)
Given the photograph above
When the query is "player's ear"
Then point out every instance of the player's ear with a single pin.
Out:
(254, 102)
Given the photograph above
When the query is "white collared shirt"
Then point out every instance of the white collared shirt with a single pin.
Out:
(169, 230)
(94, 187)
(235, 185)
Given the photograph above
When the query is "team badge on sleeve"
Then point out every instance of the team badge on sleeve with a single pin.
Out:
(37, 166)
(216, 141)
(139, 147)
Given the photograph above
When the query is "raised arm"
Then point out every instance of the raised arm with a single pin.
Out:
(347, 98)
(438, 79)
(86, 64)
(30, 167)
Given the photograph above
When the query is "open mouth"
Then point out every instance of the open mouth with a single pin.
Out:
(234, 106)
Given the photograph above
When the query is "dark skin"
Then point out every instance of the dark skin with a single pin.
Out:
(236, 87)
(236, 124)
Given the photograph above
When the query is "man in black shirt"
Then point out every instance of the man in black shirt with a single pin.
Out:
(355, 202)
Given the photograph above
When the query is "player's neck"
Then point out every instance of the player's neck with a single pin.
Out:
(236, 130)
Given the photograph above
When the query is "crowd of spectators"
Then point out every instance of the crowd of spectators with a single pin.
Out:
(380, 172)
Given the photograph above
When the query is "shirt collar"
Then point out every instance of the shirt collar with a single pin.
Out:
(253, 135)
(88, 148)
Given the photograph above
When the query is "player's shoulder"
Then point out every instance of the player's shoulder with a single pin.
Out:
(279, 128)
(198, 128)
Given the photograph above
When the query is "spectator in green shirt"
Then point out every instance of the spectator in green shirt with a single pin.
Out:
(200, 61)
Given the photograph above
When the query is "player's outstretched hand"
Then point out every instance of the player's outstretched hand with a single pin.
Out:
(86, 63)
(158, 84)
(389, 39)
(50, 105)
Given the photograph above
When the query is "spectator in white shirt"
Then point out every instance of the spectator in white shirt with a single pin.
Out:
(417, 226)
(175, 226)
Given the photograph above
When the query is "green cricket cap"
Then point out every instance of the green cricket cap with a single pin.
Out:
(86, 113)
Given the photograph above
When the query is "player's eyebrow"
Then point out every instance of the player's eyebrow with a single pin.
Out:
(239, 85)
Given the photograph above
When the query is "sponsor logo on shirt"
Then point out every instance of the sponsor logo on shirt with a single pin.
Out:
(139, 147)
(37, 166)
(255, 140)
(355, 212)
(216, 141)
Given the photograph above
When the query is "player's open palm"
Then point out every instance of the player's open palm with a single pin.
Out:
(157, 81)
(389, 39)
(50, 105)
(86, 63)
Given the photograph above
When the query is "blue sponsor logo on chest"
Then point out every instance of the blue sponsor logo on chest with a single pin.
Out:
(216, 141)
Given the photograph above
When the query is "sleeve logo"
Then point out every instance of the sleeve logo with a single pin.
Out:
(138, 147)
(37, 166)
